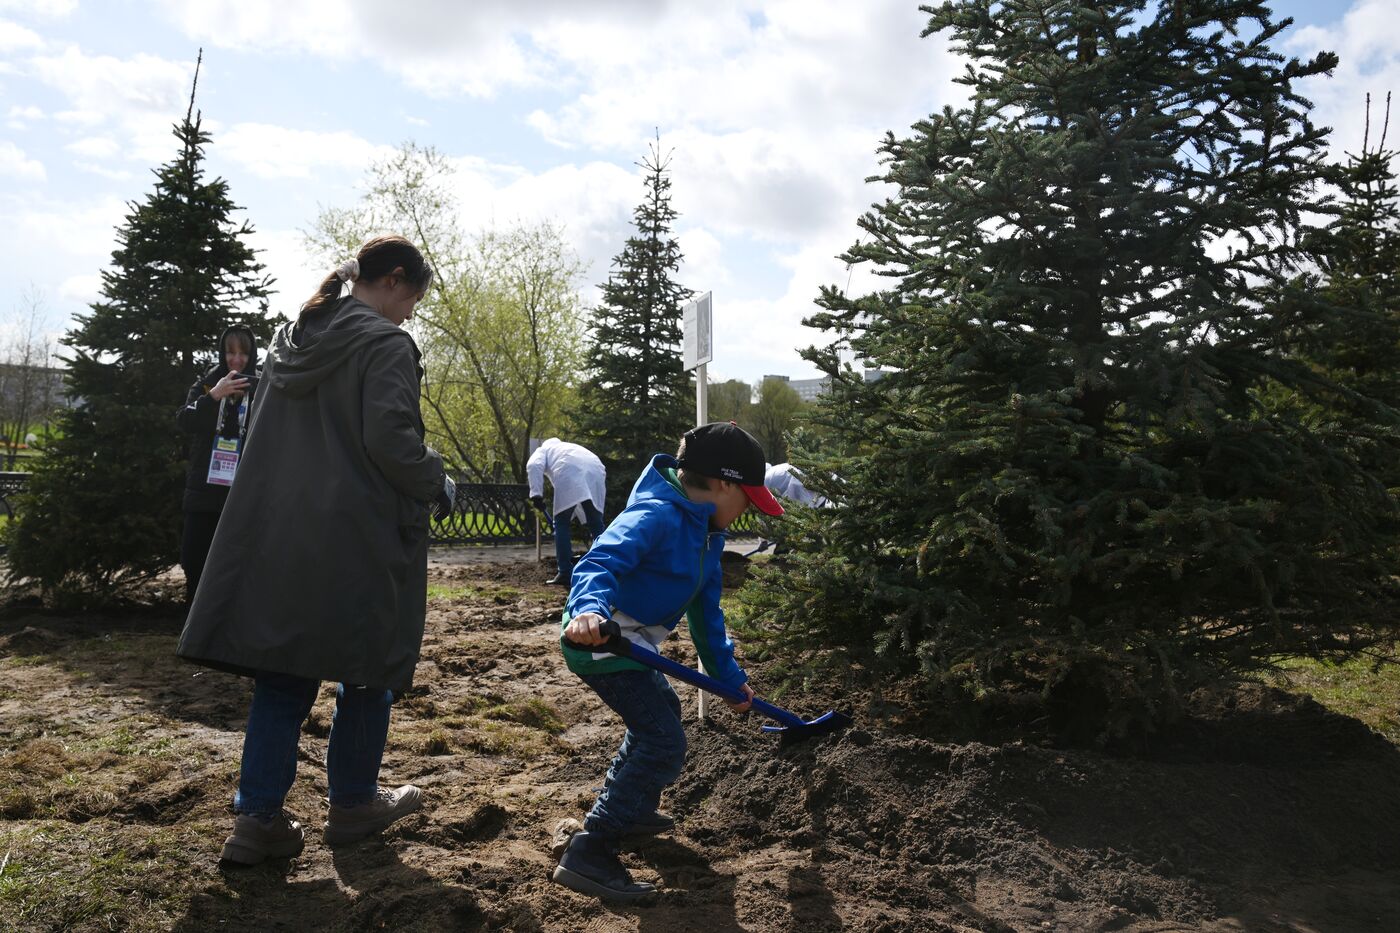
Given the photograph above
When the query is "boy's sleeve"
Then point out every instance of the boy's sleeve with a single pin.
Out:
(705, 619)
(614, 554)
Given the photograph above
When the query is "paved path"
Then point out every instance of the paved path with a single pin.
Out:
(455, 556)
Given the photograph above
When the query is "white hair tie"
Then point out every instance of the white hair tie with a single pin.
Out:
(348, 271)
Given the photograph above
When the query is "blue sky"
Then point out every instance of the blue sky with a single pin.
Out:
(774, 110)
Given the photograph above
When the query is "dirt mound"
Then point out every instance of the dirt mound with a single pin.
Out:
(1259, 811)
(1247, 801)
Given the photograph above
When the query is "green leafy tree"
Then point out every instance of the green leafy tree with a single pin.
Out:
(1067, 490)
(731, 400)
(774, 416)
(103, 505)
(500, 328)
(637, 400)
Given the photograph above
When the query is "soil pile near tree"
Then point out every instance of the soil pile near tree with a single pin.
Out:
(1262, 811)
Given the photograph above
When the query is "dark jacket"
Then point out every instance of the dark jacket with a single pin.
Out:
(319, 564)
(199, 418)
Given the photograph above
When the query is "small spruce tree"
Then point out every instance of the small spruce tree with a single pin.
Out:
(103, 507)
(1358, 255)
(637, 399)
(1067, 490)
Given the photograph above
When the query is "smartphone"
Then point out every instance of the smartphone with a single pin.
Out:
(252, 380)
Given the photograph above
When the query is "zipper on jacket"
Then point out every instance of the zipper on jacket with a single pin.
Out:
(699, 580)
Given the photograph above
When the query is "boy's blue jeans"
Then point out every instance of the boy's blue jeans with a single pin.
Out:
(281, 703)
(563, 543)
(652, 752)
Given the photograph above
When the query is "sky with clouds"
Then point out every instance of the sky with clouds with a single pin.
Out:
(773, 109)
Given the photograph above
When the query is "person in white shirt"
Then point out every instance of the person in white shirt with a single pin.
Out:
(783, 479)
(577, 476)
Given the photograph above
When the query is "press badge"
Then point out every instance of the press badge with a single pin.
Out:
(223, 461)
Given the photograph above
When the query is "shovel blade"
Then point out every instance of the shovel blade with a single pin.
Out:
(824, 724)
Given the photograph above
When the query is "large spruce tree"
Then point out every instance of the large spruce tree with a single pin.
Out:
(1067, 489)
(637, 400)
(104, 502)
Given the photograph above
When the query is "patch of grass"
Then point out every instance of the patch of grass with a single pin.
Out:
(508, 738)
(438, 742)
(62, 877)
(451, 593)
(532, 713)
(1361, 687)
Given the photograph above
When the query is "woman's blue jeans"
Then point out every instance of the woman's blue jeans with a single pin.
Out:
(652, 752)
(563, 542)
(354, 752)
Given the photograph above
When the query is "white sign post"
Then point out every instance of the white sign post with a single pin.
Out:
(697, 328)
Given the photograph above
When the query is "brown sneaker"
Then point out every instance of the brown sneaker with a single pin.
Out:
(258, 838)
(349, 824)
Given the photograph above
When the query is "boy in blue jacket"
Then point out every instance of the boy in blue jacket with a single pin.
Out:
(657, 562)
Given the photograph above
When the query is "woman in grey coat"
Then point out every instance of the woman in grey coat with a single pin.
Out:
(318, 570)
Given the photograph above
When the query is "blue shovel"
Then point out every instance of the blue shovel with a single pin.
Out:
(793, 727)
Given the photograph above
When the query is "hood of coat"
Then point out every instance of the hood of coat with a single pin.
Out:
(653, 484)
(304, 353)
(220, 369)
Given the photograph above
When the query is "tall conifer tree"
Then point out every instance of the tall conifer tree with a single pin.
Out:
(638, 399)
(1067, 486)
(104, 501)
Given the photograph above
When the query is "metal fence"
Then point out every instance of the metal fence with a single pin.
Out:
(11, 483)
(483, 513)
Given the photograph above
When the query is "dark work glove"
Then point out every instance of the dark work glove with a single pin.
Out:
(538, 502)
(446, 499)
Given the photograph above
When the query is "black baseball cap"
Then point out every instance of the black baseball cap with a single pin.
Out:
(723, 450)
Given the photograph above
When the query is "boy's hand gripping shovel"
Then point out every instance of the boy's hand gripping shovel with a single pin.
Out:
(793, 729)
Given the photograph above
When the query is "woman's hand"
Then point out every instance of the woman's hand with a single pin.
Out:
(745, 706)
(234, 384)
(586, 628)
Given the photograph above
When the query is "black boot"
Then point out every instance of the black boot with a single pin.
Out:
(590, 866)
(559, 579)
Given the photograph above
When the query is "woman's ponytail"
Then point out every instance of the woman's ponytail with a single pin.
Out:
(377, 257)
(325, 296)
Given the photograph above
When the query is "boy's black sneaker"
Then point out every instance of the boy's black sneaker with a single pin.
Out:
(655, 823)
(590, 866)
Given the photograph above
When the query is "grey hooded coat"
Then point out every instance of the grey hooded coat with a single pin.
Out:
(319, 564)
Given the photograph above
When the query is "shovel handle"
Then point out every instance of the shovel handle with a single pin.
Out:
(623, 648)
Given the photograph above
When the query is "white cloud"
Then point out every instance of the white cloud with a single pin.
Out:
(283, 253)
(104, 84)
(15, 38)
(269, 151)
(47, 8)
(15, 164)
(1367, 39)
(112, 174)
(81, 289)
(704, 259)
(19, 118)
(94, 147)
(80, 117)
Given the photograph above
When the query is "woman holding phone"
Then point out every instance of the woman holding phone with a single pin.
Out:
(217, 411)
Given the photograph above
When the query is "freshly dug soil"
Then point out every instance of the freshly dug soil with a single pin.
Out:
(1261, 811)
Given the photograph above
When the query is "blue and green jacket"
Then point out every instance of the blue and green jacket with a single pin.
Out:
(656, 562)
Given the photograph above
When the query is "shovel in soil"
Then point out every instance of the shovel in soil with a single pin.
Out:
(793, 727)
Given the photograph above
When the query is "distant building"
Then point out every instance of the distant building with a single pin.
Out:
(809, 389)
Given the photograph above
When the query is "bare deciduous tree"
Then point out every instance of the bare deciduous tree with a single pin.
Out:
(30, 386)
